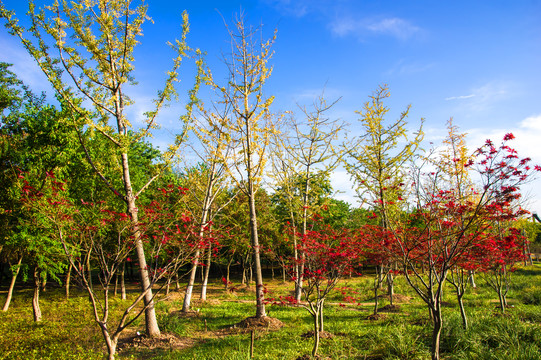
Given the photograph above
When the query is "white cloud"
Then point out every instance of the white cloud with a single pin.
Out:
(461, 97)
(395, 27)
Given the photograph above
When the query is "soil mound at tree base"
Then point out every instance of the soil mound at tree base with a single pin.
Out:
(390, 308)
(261, 323)
(164, 341)
(322, 335)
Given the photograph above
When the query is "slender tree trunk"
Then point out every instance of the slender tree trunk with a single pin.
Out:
(390, 286)
(110, 342)
(123, 282)
(272, 270)
(207, 273)
(460, 295)
(68, 279)
(89, 269)
(177, 282)
(115, 291)
(472, 279)
(191, 281)
(12, 284)
(436, 332)
(35, 299)
(316, 331)
(321, 323)
(260, 310)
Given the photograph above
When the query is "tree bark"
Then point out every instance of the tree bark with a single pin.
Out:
(207, 272)
(123, 282)
(260, 310)
(436, 331)
(68, 279)
(35, 299)
(191, 281)
(12, 284)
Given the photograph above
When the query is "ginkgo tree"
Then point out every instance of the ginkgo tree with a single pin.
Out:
(299, 160)
(95, 42)
(376, 160)
(251, 123)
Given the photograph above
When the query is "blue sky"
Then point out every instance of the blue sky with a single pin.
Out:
(476, 61)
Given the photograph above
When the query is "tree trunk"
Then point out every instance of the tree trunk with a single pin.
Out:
(472, 279)
(321, 323)
(191, 281)
(436, 332)
(115, 291)
(123, 282)
(68, 279)
(390, 286)
(316, 332)
(207, 272)
(35, 299)
(111, 343)
(462, 310)
(376, 287)
(260, 310)
(12, 284)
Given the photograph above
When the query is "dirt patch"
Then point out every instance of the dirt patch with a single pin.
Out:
(401, 298)
(309, 357)
(390, 308)
(164, 341)
(375, 317)
(322, 335)
(263, 323)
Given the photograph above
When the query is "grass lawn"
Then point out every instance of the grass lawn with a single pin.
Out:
(68, 330)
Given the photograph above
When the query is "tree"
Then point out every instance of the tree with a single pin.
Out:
(208, 182)
(96, 42)
(328, 255)
(443, 226)
(376, 160)
(299, 161)
(251, 124)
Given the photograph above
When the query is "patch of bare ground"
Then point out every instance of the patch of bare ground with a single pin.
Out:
(322, 335)
(265, 323)
(165, 341)
(375, 317)
(399, 298)
(390, 308)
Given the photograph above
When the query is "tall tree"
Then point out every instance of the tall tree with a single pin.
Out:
(376, 159)
(95, 41)
(251, 123)
(305, 156)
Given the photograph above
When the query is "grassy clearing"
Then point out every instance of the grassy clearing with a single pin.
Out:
(68, 330)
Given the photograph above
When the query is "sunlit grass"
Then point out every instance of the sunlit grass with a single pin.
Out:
(69, 332)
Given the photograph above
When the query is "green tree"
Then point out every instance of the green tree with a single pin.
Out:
(95, 41)
(250, 125)
(376, 160)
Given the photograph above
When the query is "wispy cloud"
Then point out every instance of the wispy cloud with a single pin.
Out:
(484, 97)
(460, 97)
(393, 26)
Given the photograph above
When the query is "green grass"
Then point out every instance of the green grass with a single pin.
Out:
(69, 332)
